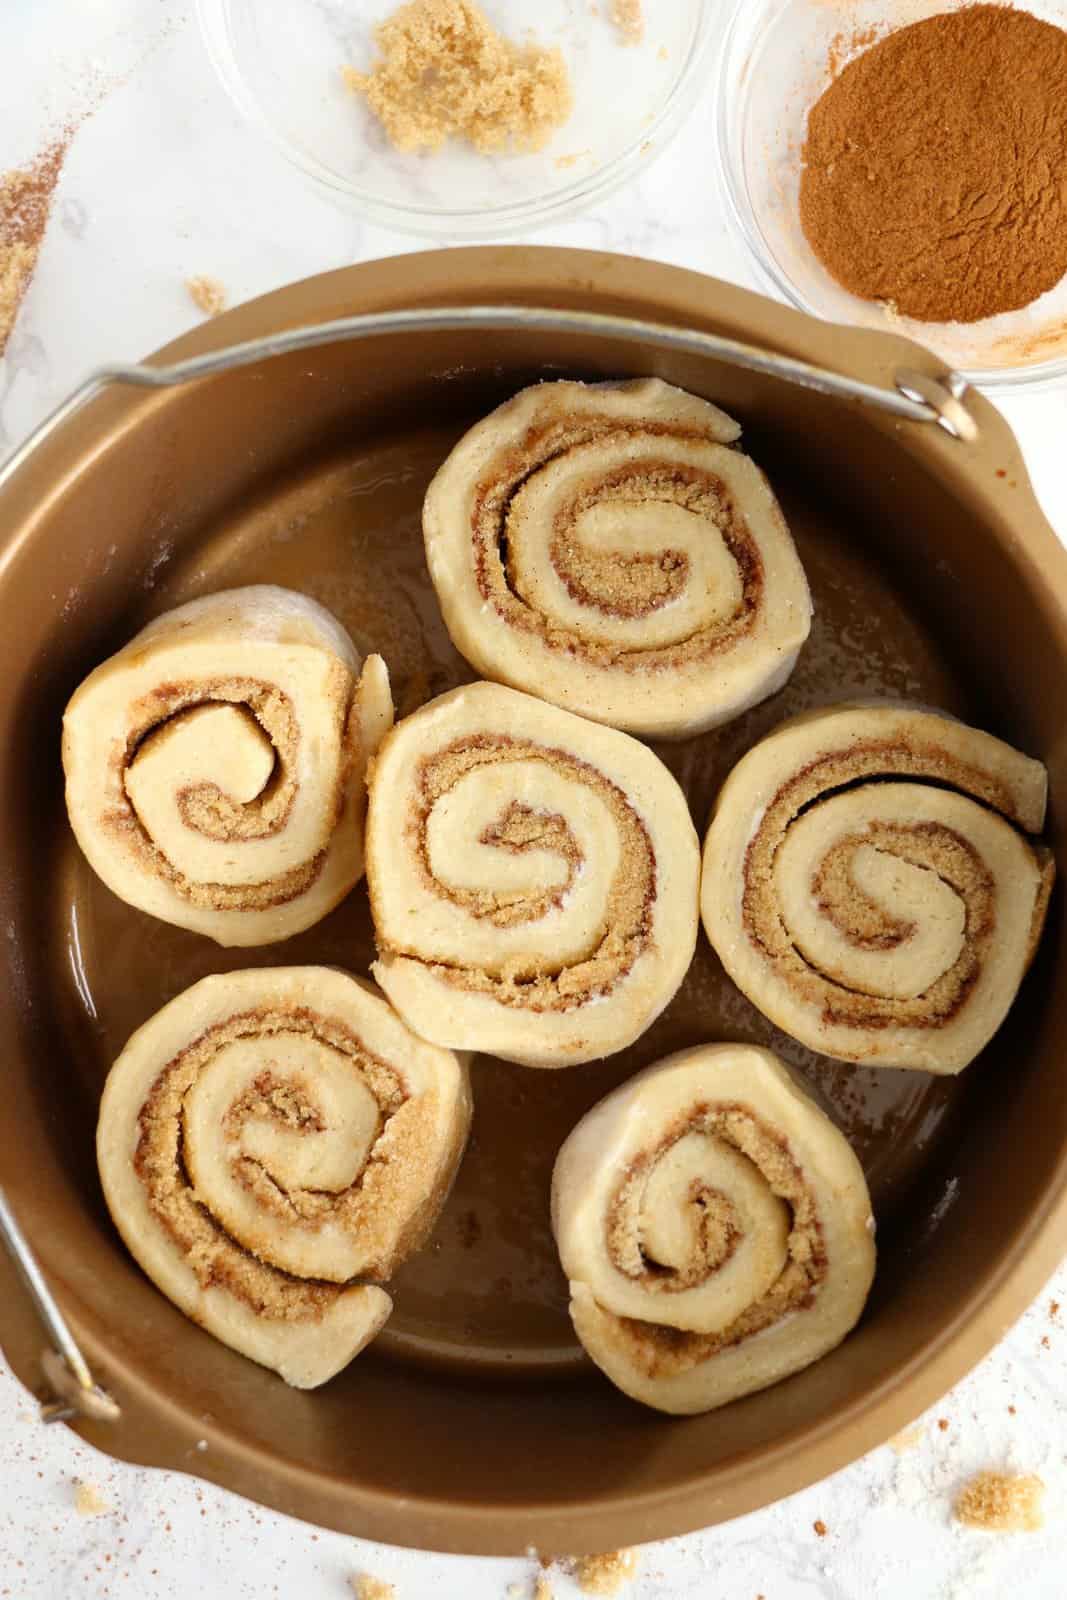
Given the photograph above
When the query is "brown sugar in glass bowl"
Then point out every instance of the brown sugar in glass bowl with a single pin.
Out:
(935, 166)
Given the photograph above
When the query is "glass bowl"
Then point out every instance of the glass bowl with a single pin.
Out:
(282, 64)
(777, 57)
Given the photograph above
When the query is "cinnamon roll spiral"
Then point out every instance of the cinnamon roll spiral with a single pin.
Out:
(600, 546)
(533, 878)
(216, 765)
(272, 1145)
(869, 884)
(715, 1228)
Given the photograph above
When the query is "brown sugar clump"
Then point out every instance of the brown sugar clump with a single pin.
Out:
(367, 1587)
(88, 1501)
(207, 294)
(629, 17)
(446, 73)
(25, 202)
(605, 1574)
(1001, 1502)
(820, 1527)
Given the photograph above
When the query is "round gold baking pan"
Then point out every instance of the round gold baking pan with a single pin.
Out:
(474, 1424)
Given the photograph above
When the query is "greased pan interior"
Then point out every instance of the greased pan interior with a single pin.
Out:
(474, 1424)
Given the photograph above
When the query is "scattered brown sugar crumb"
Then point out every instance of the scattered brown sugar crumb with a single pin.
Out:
(907, 1439)
(820, 1527)
(605, 1574)
(629, 17)
(1011, 1411)
(1053, 1309)
(207, 294)
(1045, 1342)
(88, 1501)
(25, 202)
(542, 1589)
(366, 1587)
(446, 73)
(942, 1423)
(1001, 1502)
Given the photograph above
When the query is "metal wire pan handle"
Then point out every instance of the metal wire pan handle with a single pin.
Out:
(917, 397)
(75, 1394)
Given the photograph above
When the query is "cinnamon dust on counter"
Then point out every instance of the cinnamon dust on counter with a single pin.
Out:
(933, 169)
(1001, 1502)
(445, 73)
(25, 203)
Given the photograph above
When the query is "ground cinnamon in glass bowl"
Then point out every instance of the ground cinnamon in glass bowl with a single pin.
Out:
(935, 167)
(900, 163)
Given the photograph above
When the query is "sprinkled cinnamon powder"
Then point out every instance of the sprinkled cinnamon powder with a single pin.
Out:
(1001, 1502)
(25, 202)
(207, 294)
(446, 73)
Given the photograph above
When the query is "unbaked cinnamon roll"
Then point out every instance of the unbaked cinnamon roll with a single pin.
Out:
(272, 1145)
(869, 884)
(533, 878)
(600, 546)
(715, 1228)
(216, 765)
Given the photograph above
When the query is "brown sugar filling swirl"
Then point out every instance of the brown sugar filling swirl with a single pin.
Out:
(531, 878)
(613, 584)
(272, 1145)
(673, 1228)
(867, 884)
(216, 765)
(714, 1227)
(540, 979)
(276, 1092)
(606, 548)
(261, 718)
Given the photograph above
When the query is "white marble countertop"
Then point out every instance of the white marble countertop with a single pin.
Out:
(163, 181)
